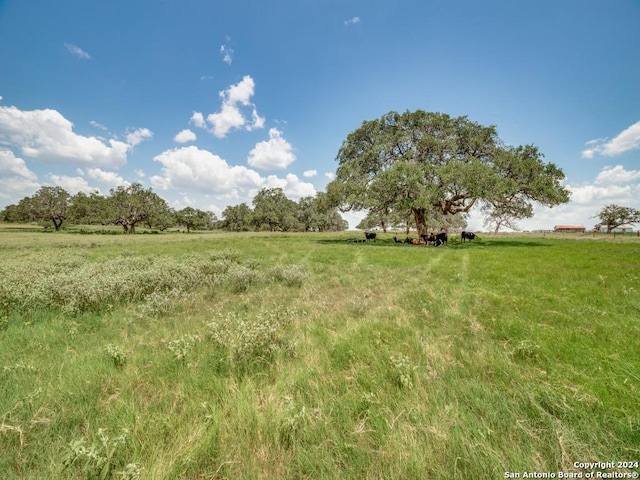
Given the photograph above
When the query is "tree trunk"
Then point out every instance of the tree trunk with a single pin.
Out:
(418, 215)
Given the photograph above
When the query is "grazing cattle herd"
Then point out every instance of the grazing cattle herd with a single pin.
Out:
(431, 239)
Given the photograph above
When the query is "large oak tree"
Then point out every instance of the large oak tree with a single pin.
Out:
(435, 165)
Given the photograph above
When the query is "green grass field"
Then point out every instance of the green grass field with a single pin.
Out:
(215, 355)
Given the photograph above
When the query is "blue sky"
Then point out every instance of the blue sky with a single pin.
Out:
(208, 102)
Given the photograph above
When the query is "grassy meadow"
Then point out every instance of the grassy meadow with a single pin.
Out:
(255, 355)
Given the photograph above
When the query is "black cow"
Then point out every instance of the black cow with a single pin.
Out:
(436, 239)
(395, 239)
(441, 238)
(370, 236)
(428, 239)
(468, 236)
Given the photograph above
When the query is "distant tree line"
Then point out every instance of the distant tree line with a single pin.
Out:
(273, 211)
(131, 206)
(420, 169)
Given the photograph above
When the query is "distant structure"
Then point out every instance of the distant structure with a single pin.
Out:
(569, 228)
(623, 229)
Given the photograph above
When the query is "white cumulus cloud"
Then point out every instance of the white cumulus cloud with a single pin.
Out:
(12, 166)
(616, 175)
(193, 171)
(273, 153)
(47, 136)
(198, 120)
(138, 136)
(292, 186)
(256, 120)
(229, 117)
(236, 107)
(110, 179)
(592, 194)
(625, 141)
(72, 185)
(310, 173)
(192, 168)
(16, 179)
(185, 136)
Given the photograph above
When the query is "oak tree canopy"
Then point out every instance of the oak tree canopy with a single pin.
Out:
(434, 165)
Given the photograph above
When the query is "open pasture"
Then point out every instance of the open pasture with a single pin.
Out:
(215, 355)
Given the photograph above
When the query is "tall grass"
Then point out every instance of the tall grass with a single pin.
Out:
(305, 356)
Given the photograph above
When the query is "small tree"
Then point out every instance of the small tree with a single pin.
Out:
(88, 209)
(192, 218)
(272, 210)
(211, 221)
(130, 205)
(10, 214)
(612, 216)
(237, 218)
(162, 218)
(315, 214)
(374, 220)
(308, 215)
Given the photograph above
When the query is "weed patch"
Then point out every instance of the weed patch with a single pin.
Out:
(101, 459)
(181, 347)
(403, 372)
(244, 343)
(117, 355)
